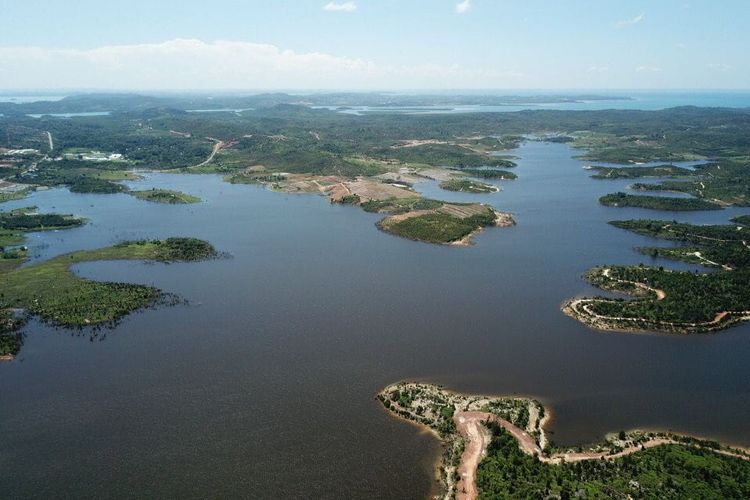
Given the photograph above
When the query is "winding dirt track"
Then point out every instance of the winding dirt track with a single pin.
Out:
(217, 146)
(660, 294)
(580, 308)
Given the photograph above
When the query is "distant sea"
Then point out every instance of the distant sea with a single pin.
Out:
(24, 98)
(638, 99)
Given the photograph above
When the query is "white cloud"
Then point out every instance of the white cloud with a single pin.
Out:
(598, 69)
(462, 7)
(629, 22)
(719, 66)
(646, 68)
(184, 64)
(340, 7)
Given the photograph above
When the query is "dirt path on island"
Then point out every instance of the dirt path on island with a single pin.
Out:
(477, 436)
(580, 309)
(217, 147)
(660, 294)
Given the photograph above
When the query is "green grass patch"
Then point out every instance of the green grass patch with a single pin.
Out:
(8, 238)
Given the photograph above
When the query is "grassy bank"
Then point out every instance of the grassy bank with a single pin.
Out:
(52, 291)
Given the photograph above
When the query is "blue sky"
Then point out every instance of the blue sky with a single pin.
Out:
(375, 44)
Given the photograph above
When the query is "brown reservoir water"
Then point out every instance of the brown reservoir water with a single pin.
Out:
(264, 385)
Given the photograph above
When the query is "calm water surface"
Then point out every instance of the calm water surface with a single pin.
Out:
(264, 385)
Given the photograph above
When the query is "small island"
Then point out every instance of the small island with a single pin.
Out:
(497, 447)
(94, 185)
(621, 199)
(467, 186)
(434, 221)
(167, 196)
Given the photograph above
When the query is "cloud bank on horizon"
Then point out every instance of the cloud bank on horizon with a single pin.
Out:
(376, 45)
(194, 64)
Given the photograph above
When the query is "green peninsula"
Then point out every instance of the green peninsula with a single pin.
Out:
(52, 291)
(497, 447)
(674, 301)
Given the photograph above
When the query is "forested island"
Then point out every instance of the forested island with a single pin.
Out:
(621, 199)
(659, 171)
(466, 185)
(168, 196)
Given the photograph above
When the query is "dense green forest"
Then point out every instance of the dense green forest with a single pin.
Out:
(489, 173)
(20, 220)
(11, 338)
(727, 181)
(621, 199)
(671, 471)
(636, 172)
(690, 297)
(711, 245)
(438, 227)
(289, 136)
(690, 301)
